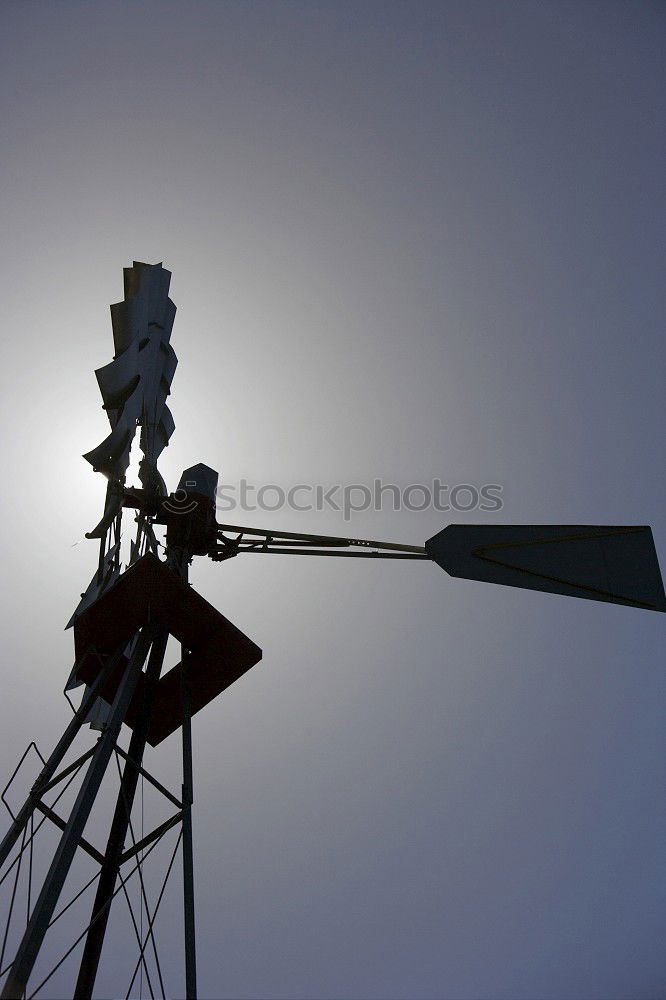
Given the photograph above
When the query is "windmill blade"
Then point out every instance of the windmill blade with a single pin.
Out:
(617, 564)
(135, 385)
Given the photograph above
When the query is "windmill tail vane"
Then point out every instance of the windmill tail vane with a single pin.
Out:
(130, 608)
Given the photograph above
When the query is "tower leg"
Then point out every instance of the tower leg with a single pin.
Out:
(119, 825)
(57, 756)
(31, 942)
(179, 559)
(188, 864)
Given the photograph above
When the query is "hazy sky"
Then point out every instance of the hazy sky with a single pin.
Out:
(407, 240)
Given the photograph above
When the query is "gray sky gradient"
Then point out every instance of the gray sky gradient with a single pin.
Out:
(407, 240)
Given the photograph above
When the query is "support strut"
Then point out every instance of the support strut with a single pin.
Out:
(119, 825)
(33, 937)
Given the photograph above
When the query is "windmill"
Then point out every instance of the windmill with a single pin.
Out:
(123, 621)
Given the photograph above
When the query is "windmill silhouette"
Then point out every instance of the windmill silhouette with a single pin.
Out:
(125, 617)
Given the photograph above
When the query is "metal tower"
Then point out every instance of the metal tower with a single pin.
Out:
(131, 607)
